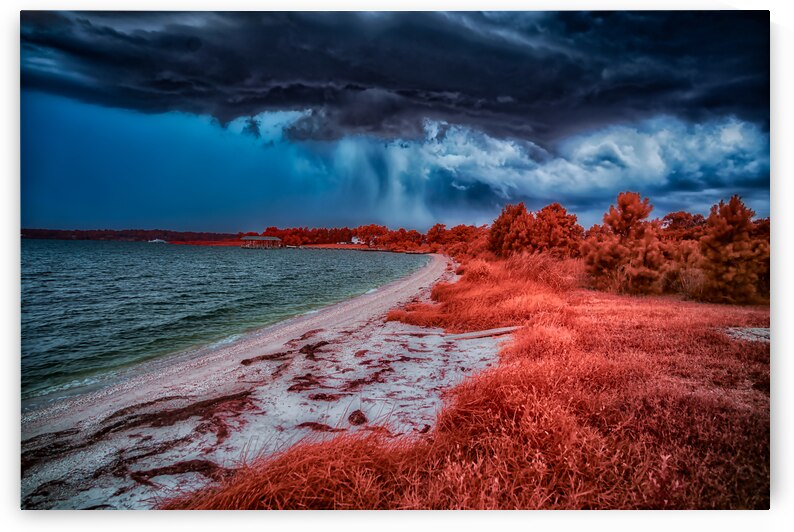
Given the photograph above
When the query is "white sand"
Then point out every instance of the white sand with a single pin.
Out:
(752, 334)
(200, 412)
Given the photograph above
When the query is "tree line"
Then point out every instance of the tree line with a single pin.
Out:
(722, 257)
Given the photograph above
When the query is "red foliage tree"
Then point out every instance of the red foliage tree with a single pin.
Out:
(551, 230)
(401, 240)
(556, 231)
(683, 225)
(501, 227)
(437, 234)
(735, 254)
(465, 242)
(368, 234)
(627, 219)
(519, 235)
(625, 253)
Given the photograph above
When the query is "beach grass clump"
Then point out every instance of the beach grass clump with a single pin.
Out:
(496, 294)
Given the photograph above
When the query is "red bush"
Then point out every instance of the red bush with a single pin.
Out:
(625, 254)
(499, 239)
(550, 230)
(735, 254)
(556, 231)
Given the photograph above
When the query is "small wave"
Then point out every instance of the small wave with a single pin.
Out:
(311, 312)
(225, 341)
(371, 291)
(88, 381)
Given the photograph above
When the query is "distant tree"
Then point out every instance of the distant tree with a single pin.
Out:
(683, 225)
(368, 234)
(556, 231)
(735, 253)
(501, 227)
(437, 234)
(625, 253)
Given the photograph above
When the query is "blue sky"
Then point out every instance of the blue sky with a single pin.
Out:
(210, 136)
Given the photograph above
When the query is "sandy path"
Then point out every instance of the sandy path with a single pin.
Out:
(185, 421)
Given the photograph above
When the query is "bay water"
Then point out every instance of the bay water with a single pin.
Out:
(92, 308)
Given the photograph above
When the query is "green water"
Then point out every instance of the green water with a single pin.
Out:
(90, 308)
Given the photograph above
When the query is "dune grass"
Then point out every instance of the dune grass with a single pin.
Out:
(600, 401)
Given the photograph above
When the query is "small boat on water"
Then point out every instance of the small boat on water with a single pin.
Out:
(158, 241)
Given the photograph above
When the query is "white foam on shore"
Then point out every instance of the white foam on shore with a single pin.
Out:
(88, 381)
(225, 341)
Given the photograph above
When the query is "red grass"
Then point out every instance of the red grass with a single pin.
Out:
(496, 294)
(601, 401)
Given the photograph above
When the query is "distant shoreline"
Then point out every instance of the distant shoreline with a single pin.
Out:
(125, 235)
(235, 243)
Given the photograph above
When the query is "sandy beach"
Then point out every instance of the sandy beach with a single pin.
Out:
(188, 419)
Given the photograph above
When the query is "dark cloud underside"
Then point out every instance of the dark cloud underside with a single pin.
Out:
(535, 76)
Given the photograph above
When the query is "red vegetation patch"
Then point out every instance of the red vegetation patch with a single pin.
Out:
(318, 427)
(206, 468)
(337, 246)
(311, 349)
(376, 377)
(357, 417)
(723, 258)
(304, 382)
(496, 294)
(600, 401)
(274, 356)
(326, 396)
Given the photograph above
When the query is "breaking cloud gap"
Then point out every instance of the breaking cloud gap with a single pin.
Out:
(455, 167)
(183, 171)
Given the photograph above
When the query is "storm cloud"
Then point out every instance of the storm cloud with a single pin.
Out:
(536, 76)
(398, 118)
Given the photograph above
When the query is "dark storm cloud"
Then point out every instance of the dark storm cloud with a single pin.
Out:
(535, 76)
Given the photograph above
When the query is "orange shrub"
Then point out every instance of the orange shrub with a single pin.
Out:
(498, 241)
(625, 253)
(735, 254)
(551, 230)
(555, 231)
